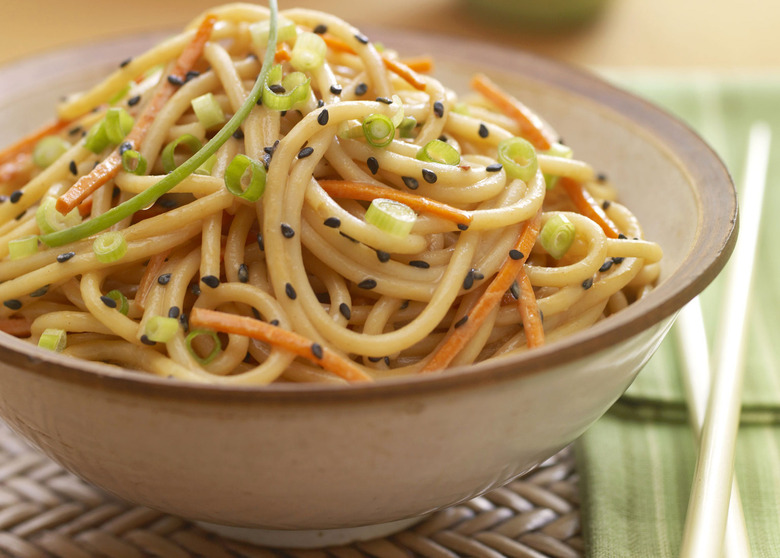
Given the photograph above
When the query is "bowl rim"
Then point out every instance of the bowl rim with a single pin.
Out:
(713, 244)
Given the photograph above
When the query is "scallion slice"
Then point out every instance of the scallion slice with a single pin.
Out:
(308, 52)
(208, 111)
(22, 247)
(161, 329)
(97, 140)
(234, 178)
(556, 150)
(519, 158)
(48, 150)
(378, 130)
(391, 216)
(53, 339)
(214, 351)
(407, 126)
(118, 124)
(168, 153)
(109, 247)
(133, 162)
(121, 301)
(260, 31)
(557, 235)
(295, 87)
(437, 151)
(50, 220)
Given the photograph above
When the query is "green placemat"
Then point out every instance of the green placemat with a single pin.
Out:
(636, 464)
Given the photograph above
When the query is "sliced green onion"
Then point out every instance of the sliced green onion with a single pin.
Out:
(119, 95)
(391, 216)
(214, 351)
(437, 151)
(110, 247)
(407, 126)
(161, 329)
(151, 194)
(48, 150)
(133, 162)
(378, 130)
(296, 88)
(188, 140)
(398, 113)
(121, 301)
(557, 235)
(97, 140)
(118, 124)
(260, 31)
(234, 178)
(556, 150)
(519, 158)
(22, 247)
(207, 166)
(50, 220)
(350, 129)
(208, 111)
(53, 339)
(308, 52)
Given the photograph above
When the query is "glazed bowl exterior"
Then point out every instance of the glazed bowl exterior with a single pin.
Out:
(324, 457)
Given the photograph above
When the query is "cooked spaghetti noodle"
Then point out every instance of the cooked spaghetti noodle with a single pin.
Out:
(344, 216)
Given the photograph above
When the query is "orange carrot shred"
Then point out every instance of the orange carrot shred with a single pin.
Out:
(531, 126)
(109, 168)
(283, 53)
(285, 339)
(420, 64)
(19, 327)
(529, 312)
(26, 144)
(336, 44)
(588, 206)
(150, 275)
(404, 71)
(458, 336)
(369, 192)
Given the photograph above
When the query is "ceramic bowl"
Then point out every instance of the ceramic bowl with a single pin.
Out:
(288, 458)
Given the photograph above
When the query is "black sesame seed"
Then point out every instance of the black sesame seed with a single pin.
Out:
(463, 227)
(173, 312)
(125, 62)
(316, 350)
(336, 89)
(74, 170)
(132, 101)
(617, 261)
(443, 138)
(420, 263)
(606, 265)
(601, 177)
(367, 284)
(13, 304)
(332, 222)
(361, 89)
(410, 182)
(238, 134)
(210, 281)
(515, 290)
(290, 291)
(164, 279)
(192, 74)
(274, 322)
(621, 236)
(15, 196)
(305, 152)
(462, 321)
(483, 131)
(277, 88)
(40, 292)
(373, 165)
(478, 275)
(62, 258)
(468, 282)
(495, 167)
(108, 301)
(323, 118)
(184, 320)
(374, 359)
(243, 273)
(382, 256)
(387, 361)
(287, 231)
(125, 146)
(168, 203)
(260, 242)
(345, 310)
(175, 80)
(361, 38)
(74, 131)
(384, 100)
(195, 289)
(438, 109)
(146, 341)
(320, 29)
(587, 283)
(429, 176)
(605, 204)
(515, 254)
(404, 306)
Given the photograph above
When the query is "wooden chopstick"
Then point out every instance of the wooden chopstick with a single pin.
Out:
(708, 505)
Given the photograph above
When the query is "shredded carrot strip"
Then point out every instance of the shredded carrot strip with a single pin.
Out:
(588, 206)
(86, 207)
(457, 337)
(405, 72)
(369, 192)
(285, 339)
(529, 312)
(150, 275)
(109, 168)
(420, 64)
(26, 144)
(336, 44)
(283, 53)
(19, 327)
(531, 126)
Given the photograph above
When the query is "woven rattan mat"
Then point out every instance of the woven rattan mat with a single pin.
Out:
(46, 511)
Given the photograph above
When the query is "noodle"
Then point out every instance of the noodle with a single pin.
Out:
(302, 285)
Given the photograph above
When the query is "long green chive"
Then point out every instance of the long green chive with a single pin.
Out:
(284, 93)
(234, 178)
(121, 301)
(50, 220)
(519, 158)
(118, 124)
(391, 216)
(22, 247)
(48, 150)
(151, 194)
(110, 247)
(207, 166)
(556, 150)
(378, 130)
(557, 236)
(133, 162)
(168, 153)
(437, 151)
(161, 329)
(308, 52)
(208, 111)
(217, 345)
(53, 339)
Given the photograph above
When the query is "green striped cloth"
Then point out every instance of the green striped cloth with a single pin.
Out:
(636, 464)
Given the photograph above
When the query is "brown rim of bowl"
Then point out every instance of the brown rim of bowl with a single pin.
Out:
(714, 242)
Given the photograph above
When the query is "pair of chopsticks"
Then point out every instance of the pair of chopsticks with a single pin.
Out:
(715, 525)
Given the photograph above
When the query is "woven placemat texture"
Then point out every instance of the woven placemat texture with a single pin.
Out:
(45, 511)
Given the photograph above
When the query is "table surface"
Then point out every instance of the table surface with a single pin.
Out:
(711, 34)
